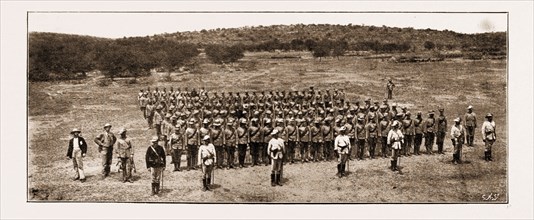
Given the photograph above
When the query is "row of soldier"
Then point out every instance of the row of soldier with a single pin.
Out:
(306, 129)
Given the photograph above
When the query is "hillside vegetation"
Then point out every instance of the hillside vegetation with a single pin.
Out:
(61, 56)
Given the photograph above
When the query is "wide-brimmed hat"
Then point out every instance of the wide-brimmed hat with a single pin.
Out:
(470, 107)
(122, 131)
(75, 130)
(275, 131)
(395, 124)
(343, 128)
(206, 138)
(107, 125)
(154, 139)
(457, 120)
(489, 115)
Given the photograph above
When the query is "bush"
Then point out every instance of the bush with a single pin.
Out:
(103, 82)
(224, 54)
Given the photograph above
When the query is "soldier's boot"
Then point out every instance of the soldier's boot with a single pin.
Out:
(489, 156)
(486, 157)
(455, 159)
(338, 174)
(204, 187)
(153, 190)
(278, 179)
(392, 167)
(272, 180)
(208, 183)
(157, 188)
(395, 168)
(342, 169)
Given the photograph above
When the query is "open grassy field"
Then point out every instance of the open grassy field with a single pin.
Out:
(56, 108)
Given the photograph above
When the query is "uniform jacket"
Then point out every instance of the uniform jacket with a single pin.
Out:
(230, 136)
(371, 130)
(408, 126)
(176, 141)
(470, 119)
(124, 148)
(488, 130)
(242, 135)
(442, 123)
(276, 148)
(316, 135)
(304, 133)
(81, 143)
(191, 134)
(101, 141)
(207, 155)
(429, 126)
(395, 138)
(342, 144)
(155, 156)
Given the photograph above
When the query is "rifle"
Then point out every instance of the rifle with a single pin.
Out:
(133, 165)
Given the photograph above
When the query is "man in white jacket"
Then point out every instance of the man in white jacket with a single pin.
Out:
(395, 140)
(276, 150)
(342, 147)
(488, 136)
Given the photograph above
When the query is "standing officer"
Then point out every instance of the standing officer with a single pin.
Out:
(408, 126)
(350, 132)
(317, 140)
(488, 136)
(155, 162)
(304, 140)
(230, 143)
(143, 102)
(395, 139)
(389, 87)
(429, 127)
(342, 146)
(176, 142)
(383, 128)
(457, 136)
(242, 141)
(326, 131)
(216, 135)
(360, 137)
(76, 151)
(418, 131)
(291, 133)
(276, 150)
(191, 135)
(470, 125)
(105, 142)
(371, 132)
(255, 135)
(442, 130)
(207, 157)
(265, 137)
(158, 119)
(125, 154)
(149, 112)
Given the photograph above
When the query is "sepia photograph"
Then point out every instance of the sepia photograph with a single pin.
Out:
(231, 107)
(286, 108)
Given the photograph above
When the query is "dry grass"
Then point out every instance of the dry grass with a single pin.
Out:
(56, 108)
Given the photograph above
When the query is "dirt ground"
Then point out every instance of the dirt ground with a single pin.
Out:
(55, 108)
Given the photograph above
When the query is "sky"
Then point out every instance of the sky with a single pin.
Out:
(118, 25)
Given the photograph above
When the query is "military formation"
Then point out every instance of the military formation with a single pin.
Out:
(239, 129)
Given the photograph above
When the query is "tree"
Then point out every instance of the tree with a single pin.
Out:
(322, 49)
(339, 48)
(60, 56)
(224, 54)
(429, 45)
